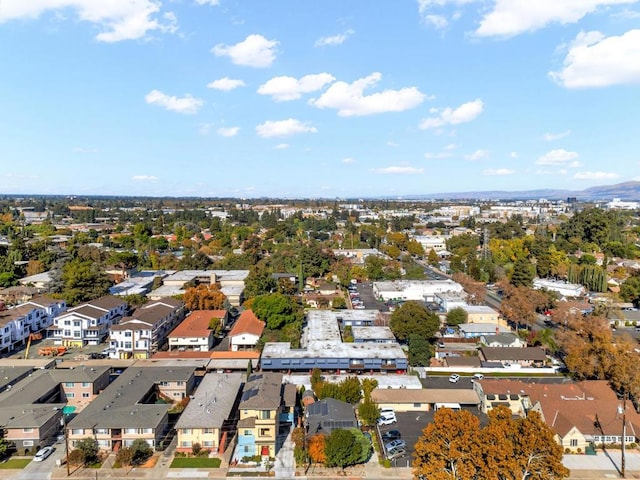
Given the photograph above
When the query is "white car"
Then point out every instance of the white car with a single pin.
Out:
(454, 378)
(42, 454)
(477, 376)
(387, 418)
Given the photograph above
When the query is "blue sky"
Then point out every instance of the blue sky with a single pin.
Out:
(332, 98)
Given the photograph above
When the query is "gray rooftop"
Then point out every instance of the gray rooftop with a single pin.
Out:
(212, 403)
(263, 391)
(118, 405)
(373, 333)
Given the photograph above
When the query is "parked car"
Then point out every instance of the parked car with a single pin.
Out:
(394, 444)
(42, 454)
(396, 453)
(391, 435)
(387, 418)
(441, 345)
(454, 378)
(477, 376)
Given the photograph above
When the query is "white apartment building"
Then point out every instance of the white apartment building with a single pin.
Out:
(34, 316)
(89, 323)
(143, 333)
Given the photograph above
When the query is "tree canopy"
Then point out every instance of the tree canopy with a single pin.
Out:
(414, 318)
(277, 310)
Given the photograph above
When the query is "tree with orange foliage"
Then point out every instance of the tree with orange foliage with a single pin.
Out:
(316, 448)
(477, 291)
(204, 297)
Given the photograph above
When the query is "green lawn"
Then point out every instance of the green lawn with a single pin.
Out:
(195, 462)
(15, 463)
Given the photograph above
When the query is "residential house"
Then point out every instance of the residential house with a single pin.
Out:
(196, 331)
(503, 340)
(146, 330)
(584, 414)
(477, 330)
(32, 317)
(208, 418)
(507, 356)
(246, 332)
(134, 406)
(18, 294)
(41, 281)
(89, 323)
(264, 398)
(327, 415)
(423, 400)
(483, 314)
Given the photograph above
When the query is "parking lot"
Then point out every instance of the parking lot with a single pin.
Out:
(369, 301)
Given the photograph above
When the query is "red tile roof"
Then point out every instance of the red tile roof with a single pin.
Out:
(197, 323)
(247, 323)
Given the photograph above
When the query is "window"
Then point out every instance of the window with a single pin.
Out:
(102, 431)
(180, 383)
(147, 430)
(131, 430)
(265, 432)
(574, 442)
(67, 323)
(127, 345)
(76, 323)
(70, 395)
(127, 334)
(27, 443)
(27, 430)
(186, 431)
(265, 414)
(67, 333)
(86, 384)
(77, 334)
(247, 448)
(417, 405)
(207, 444)
(69, 384)
(86, 394)
(207, 430)
(77, 431)
(247, 433)
(185, 443)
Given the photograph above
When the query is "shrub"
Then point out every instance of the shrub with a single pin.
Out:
(567, 450)
(196, 449)
(579, 450)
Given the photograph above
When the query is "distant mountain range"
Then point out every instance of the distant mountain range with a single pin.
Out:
(629, 191)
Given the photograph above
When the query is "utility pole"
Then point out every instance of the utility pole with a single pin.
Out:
(624, 432)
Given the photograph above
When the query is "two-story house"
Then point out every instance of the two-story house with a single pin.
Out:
(196, 332)
(34, 316)
(145, 331)
(89, 323)
(208, 418)
(246, 332)
(264, 398)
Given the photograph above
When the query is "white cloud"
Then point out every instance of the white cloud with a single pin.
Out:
(282, 89)
(348, 160)
(187, 104)
(225, 84)
(549, 137)
(477, 155)
(399, 169)
(594, 60)
(283, 128)
(498, 172)
(228, 131)
(451, 146)
(559, 157)
(144, 178)
(392, 144)
(335, 39)
(117, 20)
(595, 175)
(509, 18)
(513, 155)
(349, 98)
(449, 116)
(281, 146)
(213, 3)
(254, 51)
(438, 21)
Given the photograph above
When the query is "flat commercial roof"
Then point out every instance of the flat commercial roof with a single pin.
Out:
(373, 333)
